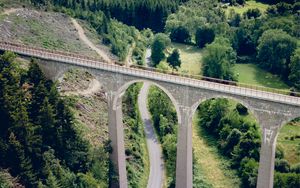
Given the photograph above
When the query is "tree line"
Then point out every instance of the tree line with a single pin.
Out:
(141, 14)
(40, 145)
(164, 119)
(135, 142)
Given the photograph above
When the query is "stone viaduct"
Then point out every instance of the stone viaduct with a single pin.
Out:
(271, 110)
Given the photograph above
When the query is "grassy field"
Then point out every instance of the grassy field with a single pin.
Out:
(288, 142)
(215, 169)
(253, 75)
(191, 58)
(247, 73)
(249, 5)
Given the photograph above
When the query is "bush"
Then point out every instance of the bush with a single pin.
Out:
(181, 35)
(286, 180)
(242, 110)
(296, 168)
(279, 154)
(282, 165)
(204, 35)
(252, 13)
(248, 171)
(174, 59)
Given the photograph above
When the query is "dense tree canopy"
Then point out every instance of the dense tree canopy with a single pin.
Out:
(275, 50)
(295, 69)
(218, 60)
(204, 35)
(160, 43)
(39, 142)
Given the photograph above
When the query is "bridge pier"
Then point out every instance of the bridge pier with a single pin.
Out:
(116, 136)
(184, 161)
(265, 177)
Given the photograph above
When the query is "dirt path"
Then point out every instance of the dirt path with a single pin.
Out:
(10, 11)
(84, 39)
(94, 86)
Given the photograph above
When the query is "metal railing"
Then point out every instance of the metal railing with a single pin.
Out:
(155, 74)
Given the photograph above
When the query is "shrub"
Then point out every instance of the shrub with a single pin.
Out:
(282, 165)
(286, 180)
(204, 35)
(180, 34)
(242, 110)
(296, 168)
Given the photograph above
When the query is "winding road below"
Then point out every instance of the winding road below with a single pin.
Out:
(154, 149)
(157, 172)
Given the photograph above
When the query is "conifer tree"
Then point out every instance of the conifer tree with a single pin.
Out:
(22, 164)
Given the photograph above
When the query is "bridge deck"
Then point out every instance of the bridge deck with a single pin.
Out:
(82, 61)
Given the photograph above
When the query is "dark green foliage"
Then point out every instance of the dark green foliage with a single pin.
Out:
(295, 69)
(252, 13)
(219, 59)
(286, 180)
(181, 35)
(242, 110)
(160, 43)
(282, 165)
(234, 19)
(141, 14)
(204, 35)
(275, 50)
(296, 168)
(174, 59)
(39, 142)
(165, 122)
(248, 172)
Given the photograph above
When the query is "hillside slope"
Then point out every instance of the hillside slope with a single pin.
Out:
(47, 30)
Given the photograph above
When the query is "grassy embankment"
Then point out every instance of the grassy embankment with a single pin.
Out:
(212, 168)
(289, 141)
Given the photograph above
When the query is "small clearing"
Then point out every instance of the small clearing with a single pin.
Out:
(89, 105)
(191, 58)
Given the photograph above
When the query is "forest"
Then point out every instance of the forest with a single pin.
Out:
(39, 142)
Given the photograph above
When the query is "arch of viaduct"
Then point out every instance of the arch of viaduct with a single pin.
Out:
(271, 110)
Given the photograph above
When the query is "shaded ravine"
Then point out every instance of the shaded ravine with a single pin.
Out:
(156, 177)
